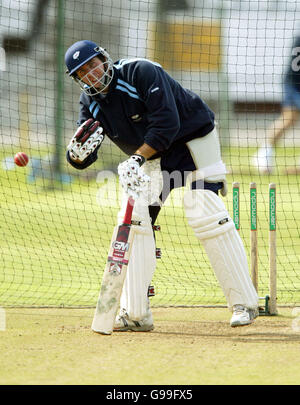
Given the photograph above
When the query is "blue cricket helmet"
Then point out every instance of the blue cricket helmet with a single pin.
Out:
(80, 53)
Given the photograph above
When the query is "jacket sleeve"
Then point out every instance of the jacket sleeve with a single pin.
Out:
(84, 112)
(154, 86)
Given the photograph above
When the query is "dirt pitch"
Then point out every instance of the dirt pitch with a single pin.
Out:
(188, 346)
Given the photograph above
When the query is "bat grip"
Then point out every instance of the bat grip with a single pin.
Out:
(128, 212)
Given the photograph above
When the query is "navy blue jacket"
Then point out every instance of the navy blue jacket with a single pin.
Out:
(146, 105)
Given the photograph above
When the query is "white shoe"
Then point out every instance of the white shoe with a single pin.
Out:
(264, 160)
(123, 323)
(242, 315)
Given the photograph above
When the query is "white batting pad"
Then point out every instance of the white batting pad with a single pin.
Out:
(207, 215)
(142, 263)
(206, 154)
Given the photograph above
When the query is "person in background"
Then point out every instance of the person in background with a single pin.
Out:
(264, 159)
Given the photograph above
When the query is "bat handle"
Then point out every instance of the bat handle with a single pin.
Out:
(128, 212)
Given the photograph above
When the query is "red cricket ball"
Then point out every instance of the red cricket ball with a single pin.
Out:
(21, 159)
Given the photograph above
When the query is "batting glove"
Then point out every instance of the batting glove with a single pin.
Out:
(132, 177)
(85, 140)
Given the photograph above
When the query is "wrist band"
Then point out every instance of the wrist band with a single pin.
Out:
(139, 158)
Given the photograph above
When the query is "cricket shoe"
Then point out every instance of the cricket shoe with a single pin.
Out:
(242, 316)
(264, 160)
(123, 323)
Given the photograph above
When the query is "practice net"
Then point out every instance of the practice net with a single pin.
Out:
(56, 222)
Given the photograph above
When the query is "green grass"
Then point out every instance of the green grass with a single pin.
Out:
(55, 239)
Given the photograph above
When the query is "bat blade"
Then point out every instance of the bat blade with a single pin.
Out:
(114, 275)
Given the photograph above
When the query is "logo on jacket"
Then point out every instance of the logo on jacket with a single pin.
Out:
(136, 118)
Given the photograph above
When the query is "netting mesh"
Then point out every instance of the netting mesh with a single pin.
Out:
(57, 222)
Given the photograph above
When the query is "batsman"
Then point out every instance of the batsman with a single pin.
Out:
(170, 137)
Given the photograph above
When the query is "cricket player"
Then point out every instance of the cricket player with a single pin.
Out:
(169, 135)
(264, 159)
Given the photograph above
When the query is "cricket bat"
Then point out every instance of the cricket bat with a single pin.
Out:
(114, 275)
